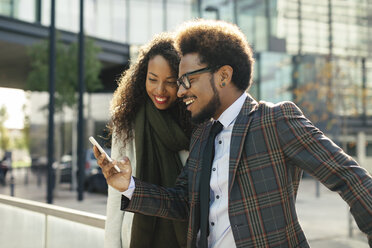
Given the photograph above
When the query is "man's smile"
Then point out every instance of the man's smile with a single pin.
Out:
(189, 101)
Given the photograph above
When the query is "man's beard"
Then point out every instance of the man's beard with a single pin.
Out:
(210, 109)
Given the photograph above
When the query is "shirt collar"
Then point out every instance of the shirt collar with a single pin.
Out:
(230, 114)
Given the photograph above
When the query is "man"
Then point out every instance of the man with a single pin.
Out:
(259, 155)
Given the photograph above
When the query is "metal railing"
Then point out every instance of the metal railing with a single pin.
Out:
(54, 226)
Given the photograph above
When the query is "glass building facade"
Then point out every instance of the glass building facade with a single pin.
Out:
(338, 27)
(128, 21)
(314, 52)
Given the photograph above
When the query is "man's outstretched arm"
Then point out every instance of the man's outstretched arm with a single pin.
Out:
(148, 199)
(307, 147)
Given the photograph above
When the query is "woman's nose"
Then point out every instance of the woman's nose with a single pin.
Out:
(160, 88)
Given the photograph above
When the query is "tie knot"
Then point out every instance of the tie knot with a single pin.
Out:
(216, 128)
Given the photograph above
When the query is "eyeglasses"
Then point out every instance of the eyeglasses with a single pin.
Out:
(184, 79)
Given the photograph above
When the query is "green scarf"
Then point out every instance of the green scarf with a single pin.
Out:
(158, 139)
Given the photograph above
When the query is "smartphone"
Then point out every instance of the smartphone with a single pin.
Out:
(95, 143)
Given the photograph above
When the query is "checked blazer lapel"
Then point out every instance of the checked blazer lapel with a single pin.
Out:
(239, 133)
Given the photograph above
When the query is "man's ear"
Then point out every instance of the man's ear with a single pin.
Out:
(225, 75)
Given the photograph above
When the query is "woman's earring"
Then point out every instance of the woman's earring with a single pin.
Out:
(223, 84)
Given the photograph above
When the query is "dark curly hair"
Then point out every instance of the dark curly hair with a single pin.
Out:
(131, 92)
(218, 43)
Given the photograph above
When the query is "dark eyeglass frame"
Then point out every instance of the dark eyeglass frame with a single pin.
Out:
(184, 79)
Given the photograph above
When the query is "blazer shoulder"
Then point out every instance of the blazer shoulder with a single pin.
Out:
(281, 109)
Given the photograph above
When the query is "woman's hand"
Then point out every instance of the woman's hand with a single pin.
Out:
(118, 180)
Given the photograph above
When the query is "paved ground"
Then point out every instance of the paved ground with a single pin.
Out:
(325, 219)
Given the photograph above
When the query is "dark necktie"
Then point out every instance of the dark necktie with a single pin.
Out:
(208, 156)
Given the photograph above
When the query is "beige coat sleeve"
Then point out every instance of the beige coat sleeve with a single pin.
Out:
(119, 223)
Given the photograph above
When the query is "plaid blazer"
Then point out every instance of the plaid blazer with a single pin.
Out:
(271, 145)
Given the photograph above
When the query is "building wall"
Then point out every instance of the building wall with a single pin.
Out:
(96, 113)
(331, 39)
(127, 21)
(132, 22)
(96, 105)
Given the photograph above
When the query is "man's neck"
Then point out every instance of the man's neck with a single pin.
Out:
(227, 99)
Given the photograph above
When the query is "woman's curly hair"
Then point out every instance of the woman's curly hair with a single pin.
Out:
(131, 92)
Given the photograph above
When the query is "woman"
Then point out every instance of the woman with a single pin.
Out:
(152, 127)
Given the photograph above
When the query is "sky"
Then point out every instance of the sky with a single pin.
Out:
(13, 100)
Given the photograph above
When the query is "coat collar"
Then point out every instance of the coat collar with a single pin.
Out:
(231, 113)
(240, 131)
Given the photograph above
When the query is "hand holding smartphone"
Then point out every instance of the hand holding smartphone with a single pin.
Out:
(95, 143)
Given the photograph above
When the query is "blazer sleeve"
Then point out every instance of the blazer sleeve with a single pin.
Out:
(153, 200)
(306, 146)
(118, 223)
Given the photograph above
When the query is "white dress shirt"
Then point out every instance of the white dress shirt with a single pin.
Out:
(220, 234)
